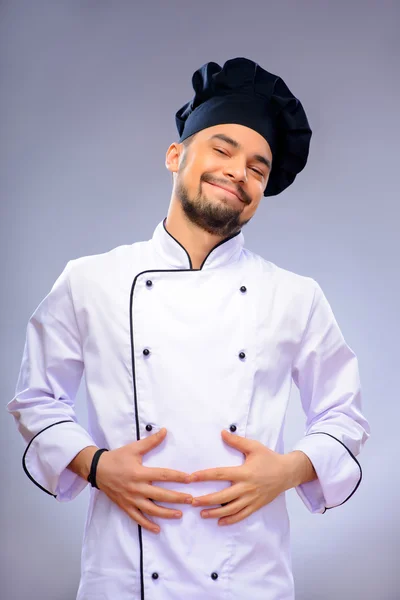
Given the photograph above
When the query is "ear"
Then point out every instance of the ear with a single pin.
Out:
(173, 156)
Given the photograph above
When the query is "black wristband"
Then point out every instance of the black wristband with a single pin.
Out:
(92, 475)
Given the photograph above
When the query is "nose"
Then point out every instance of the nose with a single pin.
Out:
(236, 171)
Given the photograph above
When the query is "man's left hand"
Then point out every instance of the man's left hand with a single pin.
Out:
(264, 475)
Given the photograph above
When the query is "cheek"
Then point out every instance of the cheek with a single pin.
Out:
(190, 179)
(252, 207)
(209, 165)
(195, 172)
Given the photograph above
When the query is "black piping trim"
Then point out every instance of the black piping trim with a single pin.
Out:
(26, 450)
(352, 455)
(189, 259)
(135, 396)
(133, 361)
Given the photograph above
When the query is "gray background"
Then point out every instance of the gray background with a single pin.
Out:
(88, 96)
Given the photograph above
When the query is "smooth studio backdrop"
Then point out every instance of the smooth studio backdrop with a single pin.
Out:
(89, 90)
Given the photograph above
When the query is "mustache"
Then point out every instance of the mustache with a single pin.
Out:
(229, 186)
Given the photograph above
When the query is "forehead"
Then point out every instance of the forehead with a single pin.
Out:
(249, 139)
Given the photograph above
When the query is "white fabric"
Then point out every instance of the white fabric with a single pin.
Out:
(195, 322)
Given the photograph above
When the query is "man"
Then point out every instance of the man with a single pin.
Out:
(190, 344)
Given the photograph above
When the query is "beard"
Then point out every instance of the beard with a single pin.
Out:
(211, 215)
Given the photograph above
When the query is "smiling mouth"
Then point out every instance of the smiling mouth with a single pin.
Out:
(225, 190)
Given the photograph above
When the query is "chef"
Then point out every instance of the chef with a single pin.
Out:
(190, 344)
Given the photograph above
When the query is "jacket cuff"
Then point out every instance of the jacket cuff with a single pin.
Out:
(338, 471)
(49, 453)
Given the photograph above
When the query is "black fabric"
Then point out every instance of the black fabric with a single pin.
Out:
(243, 92)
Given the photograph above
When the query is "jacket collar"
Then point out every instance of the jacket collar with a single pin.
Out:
(225, 252)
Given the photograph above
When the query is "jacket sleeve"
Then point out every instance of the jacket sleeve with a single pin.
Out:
(43, 405)
(326, 372)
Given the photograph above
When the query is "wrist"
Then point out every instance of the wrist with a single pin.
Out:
(299, 469)
(81, 464)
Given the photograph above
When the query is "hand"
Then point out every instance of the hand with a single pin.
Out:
(122, 477)
(263, 476)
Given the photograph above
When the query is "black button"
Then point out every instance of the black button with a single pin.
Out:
(146, 351)
(243, 289)
(242, 355)
(149, 427)
(155, 575)
(233, 428)
(214, 575)
(149, 283)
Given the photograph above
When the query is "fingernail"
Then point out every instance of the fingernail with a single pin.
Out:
(187, 479)
(205, 514)
(156, 529)
(188, 500)
(177, 514)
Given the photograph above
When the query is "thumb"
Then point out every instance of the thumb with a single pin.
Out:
(150, 442)
(241, 443)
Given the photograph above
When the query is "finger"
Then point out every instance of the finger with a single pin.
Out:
(141, 520)
(225, 511)
(239, 516)
(222, 497)
(162, 495)
(218, 474)
(150, 442)
(160, 474)
(154, 510)
(236, 441)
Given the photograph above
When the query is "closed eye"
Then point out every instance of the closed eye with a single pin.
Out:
(225, 154)
(258, 172)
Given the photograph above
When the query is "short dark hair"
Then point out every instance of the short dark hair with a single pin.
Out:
(187, 141)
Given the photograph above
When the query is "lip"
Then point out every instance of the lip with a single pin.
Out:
(226, 190)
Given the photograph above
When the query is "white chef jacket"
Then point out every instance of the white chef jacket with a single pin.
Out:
(195, 351)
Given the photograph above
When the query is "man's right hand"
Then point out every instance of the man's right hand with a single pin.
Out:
(123, 478)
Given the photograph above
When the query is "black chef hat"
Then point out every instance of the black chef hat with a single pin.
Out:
(243, 92)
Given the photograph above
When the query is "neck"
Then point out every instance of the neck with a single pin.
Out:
(197, 242)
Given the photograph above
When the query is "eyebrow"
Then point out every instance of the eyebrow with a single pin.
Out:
(259, 157)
